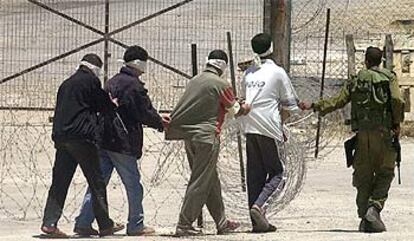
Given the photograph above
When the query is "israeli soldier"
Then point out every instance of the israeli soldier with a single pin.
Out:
(376, 114)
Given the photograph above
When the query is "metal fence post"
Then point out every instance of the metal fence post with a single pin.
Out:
(106, 42)
(239, 138)
(267, 19)
(325, 52)
(350, 49)
(389, 52)
(281, 31)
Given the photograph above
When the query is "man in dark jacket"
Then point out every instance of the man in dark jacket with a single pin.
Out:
(123, 139)
(79, 99)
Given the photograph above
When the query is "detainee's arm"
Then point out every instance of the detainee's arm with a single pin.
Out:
(288, 97)
(328, 105)
(101, 100)
(228, 100)
(232, 107)
(145, 112)
(243, 87)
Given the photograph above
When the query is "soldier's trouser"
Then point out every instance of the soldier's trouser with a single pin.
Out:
(373, 169)
(203, 186)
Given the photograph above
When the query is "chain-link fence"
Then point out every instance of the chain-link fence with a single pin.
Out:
(368, 21)
(42, 41)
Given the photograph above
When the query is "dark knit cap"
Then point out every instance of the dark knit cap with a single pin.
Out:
(135, 52)
(93, 59)
(373, 55)
(261, 43)
(218, 54)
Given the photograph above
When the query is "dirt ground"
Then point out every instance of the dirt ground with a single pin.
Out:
(325, 210)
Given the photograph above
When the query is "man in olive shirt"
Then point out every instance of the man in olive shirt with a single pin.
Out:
(376, 114)
(197, 119)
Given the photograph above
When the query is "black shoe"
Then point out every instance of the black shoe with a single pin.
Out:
(260, 222)
(270, 229)
(110, 231)
(86, 231)
(374, 218)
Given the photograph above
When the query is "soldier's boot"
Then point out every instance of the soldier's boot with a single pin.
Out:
(374, 218)
(364, 226)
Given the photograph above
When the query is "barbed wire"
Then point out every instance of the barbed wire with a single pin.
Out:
(28, 155)
(26, 149)
(300, 25)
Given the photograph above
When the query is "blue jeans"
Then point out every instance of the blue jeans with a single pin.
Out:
(127, 169)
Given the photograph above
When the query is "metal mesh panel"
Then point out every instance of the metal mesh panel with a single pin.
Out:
(33, 32)
(368, 21)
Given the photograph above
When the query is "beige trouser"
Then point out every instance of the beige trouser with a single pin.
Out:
(203, 186)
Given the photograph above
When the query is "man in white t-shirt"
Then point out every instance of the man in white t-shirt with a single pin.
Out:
(267, 88)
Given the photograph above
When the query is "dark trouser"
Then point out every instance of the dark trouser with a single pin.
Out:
(373, 169)
(264, 169)
(204, 185)
(68, 155)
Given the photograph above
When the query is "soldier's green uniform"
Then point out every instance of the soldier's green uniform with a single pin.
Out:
(376, 108)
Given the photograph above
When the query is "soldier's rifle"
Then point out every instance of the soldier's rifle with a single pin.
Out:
(397, 146)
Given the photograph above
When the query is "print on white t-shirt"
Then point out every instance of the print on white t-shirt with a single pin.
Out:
(267, 89)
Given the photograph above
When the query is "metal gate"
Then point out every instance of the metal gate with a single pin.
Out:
(43, 40)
